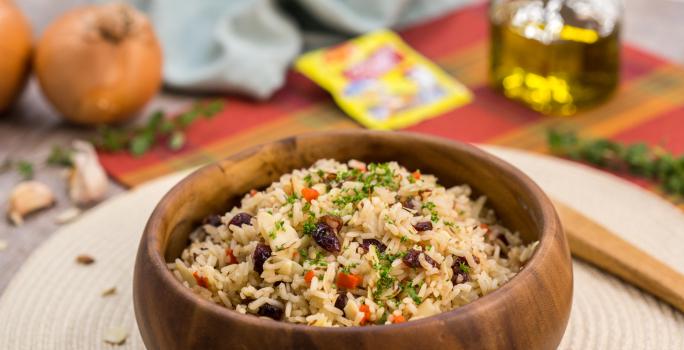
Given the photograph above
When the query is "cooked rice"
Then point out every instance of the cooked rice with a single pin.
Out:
(461, 255)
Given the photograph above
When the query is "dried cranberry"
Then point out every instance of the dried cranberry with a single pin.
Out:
(241, 219)
(379, 246)
(423, 226)
(261, 254)
(271, 311)
(411, 259)
(213, 220)
(325, 237)
(335, 222)
(341, 301)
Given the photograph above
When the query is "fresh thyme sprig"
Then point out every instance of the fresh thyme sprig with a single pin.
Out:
(653, 163)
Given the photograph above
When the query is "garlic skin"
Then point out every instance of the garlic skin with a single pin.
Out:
(27, 197)
(88, 181)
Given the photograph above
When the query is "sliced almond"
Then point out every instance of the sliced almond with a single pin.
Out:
(84, 259)
(115, 335)
(109, 291)
(67, 216)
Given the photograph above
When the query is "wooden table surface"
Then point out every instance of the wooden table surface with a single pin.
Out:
(32, 128)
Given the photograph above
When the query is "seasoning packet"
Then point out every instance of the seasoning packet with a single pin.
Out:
(382, 82)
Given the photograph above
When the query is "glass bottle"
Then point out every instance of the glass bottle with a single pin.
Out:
(555, 55)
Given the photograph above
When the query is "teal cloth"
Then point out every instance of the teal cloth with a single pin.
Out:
(246, 46)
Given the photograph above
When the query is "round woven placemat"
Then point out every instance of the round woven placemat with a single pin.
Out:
(54, 303)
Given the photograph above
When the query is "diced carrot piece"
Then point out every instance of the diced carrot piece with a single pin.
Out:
(231, 258)
(252, 192)
(309, 194)
(416, 174)
(309, 276)
(484, 227)
(366, 313)
(398, 319)
(202, 281)
(347, 280)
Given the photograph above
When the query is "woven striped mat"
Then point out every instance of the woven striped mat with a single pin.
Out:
(648, 106)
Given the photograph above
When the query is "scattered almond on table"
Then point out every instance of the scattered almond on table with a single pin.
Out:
(108, 292)
(84, 259)
(67, 216)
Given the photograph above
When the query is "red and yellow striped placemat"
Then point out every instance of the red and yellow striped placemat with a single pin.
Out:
(648, 106)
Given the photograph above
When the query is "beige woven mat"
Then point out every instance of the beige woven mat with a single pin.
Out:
(53, 303)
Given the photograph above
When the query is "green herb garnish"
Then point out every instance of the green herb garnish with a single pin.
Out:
(411, 292)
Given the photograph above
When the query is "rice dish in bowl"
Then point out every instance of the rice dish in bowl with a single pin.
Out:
(350, 245)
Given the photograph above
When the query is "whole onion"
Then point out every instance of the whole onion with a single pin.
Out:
(99, 64)
(15, 52)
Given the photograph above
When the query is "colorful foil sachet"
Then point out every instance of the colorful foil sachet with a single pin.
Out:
(383, 83)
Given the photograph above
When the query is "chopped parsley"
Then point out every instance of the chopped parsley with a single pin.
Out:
(309, 226)
(347, 269)
(292, 198)
(319, 260)
(411, 292)
(278, 227)
(434, 216)
(464, 267)
(308, 180)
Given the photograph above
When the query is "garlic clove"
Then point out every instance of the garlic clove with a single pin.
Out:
(88, 181)
(27, 197)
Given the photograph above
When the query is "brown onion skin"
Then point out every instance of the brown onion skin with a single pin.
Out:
(15, 52)
(91, 77)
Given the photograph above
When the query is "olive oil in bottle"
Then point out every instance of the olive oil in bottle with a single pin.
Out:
(556, 55)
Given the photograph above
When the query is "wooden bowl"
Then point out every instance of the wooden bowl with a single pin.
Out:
(529, 312)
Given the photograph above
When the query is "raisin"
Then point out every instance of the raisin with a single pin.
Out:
(325, 237)
(241, 219)
(423, 226)
(503, 239)
(261, 254)
(335, 222)
(411, 259)
(271, 311)
(213, 220)
(430, 261)
(460, 276)
(379, 246)
(408, 203)
(341, 301)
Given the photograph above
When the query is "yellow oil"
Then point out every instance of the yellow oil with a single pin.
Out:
(574, 71)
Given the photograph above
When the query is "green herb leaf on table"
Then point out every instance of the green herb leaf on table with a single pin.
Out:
(158, 128)
(639, 159)
(25, 169)
(60, 157)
